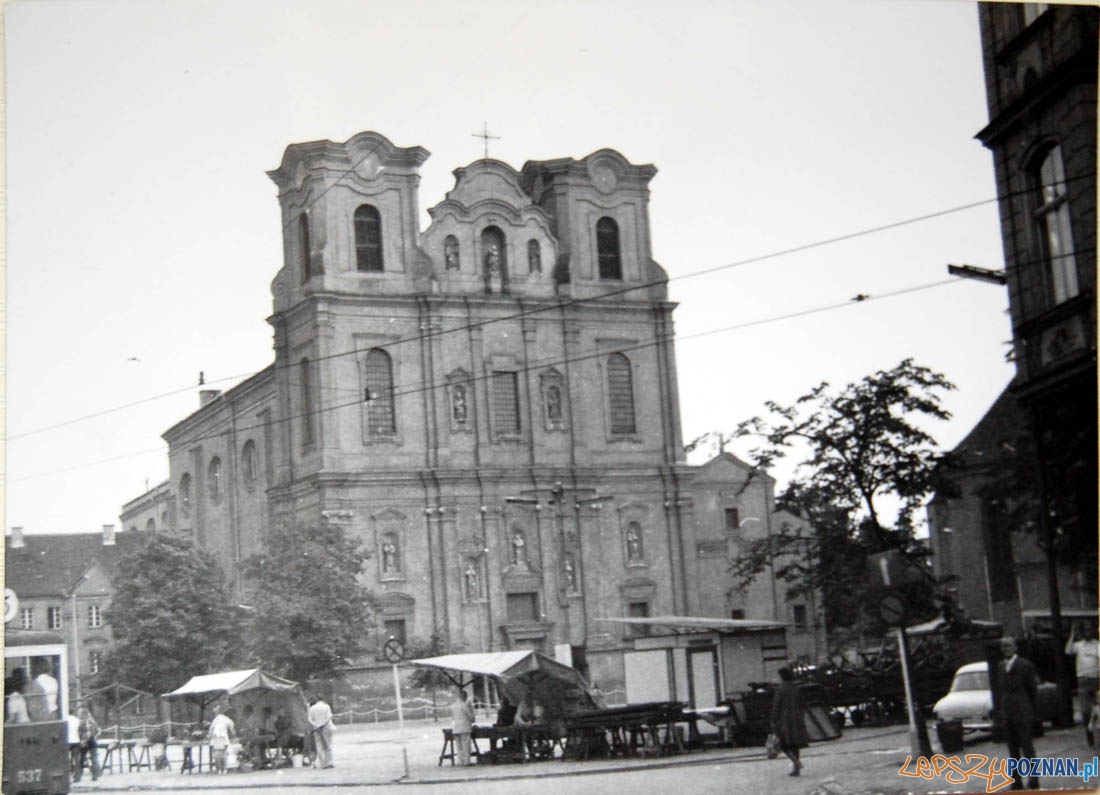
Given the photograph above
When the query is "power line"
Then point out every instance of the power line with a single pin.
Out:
(418, 387)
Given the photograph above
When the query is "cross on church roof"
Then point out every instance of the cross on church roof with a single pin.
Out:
(485, 136)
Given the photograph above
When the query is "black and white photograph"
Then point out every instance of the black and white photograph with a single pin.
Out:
(586, 396)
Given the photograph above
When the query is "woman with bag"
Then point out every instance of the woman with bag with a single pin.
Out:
(788, 723)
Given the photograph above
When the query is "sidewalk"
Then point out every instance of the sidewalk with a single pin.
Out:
(373, 755)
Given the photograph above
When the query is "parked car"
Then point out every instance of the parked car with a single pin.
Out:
(970, 700)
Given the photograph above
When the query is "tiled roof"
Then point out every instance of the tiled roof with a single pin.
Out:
(48, 565)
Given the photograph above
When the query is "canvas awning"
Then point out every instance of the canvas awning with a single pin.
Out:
(250, 686)
(518, 674)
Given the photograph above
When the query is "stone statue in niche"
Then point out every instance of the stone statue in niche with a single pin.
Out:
(389, 555)
(570, 572)
(634, 542)
(519, 549)
(493, 275)
(473, 588)
(553, 403)
(458, 404)
(450, 253)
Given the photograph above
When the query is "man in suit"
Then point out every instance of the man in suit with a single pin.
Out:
(1018, 685)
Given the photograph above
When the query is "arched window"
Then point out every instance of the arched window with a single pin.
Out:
(607, 249)
(305, 376)
(378, 384)
(150, 525)
(215, 478)
(185, 494)
(534, 256)
(304, 247)
(368, 238)
(620, 394)
(248, 463)
(451, 258)
(494, 259)
(1054, 234)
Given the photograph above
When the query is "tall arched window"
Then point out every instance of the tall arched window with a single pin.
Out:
(303, 246)
(452, 259)
(607, 249)
(620, 394)
(534, 256)
(248, 463)
(1053, 224)
(305, 375)
(378, 385)
(368, 238)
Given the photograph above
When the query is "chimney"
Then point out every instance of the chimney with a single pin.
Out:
(17, 538)
(207, 396)
(108, 535)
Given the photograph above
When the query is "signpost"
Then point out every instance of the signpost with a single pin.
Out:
(892, 609)
(394, 651)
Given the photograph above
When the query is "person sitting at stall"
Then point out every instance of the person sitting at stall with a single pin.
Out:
(283, 739)
(528, 712)
(506, 715)
(530, 716)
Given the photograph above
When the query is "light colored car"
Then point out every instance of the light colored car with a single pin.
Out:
(971, 701)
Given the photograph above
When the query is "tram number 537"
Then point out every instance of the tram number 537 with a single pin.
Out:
(31, 776)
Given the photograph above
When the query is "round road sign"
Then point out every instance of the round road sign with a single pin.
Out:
(11, 605)
(892, 609)
(394, 650)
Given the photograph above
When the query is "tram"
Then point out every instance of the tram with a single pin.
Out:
(36, 752)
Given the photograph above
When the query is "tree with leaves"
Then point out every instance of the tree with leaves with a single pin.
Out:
(311, 613)
(860, 446)
(172, 616)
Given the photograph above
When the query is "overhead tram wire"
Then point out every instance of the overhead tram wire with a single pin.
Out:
(562, 304)
(415, 389)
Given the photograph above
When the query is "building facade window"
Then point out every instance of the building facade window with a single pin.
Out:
(638, 610)
(394, 629)
(608, 253)
(737, 614)
(733, 520)
(1053, 224)
(378, 386)
(95, 662)
(506, 403)
(185, 494)
(534, 256)
(26, 617)
(53, 617)
(305, 376)
(95, 616)
(620, 394)
(368, 238)
(150, 525)
(798, 613)
(304, 247)
(248, 463)
(214, 481)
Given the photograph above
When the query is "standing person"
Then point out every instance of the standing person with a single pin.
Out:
(221, 730)
(788, 722)
(462, 726)
(1086, 655)
(1018, 685)
(37, 699)
(72, 736)
(48, 683)
(89, 745)
(320, 720)
(15, 706)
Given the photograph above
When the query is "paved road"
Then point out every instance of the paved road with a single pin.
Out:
(370, 759)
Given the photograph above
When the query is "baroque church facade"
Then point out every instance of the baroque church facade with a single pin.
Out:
(490, 405)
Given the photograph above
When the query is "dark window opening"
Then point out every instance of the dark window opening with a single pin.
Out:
(607, 249)
(368, 238)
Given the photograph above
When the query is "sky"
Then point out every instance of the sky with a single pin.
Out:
(807, 153)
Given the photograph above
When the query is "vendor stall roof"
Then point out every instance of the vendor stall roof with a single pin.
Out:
(518, 672)
(699, 623)
(231, 682)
